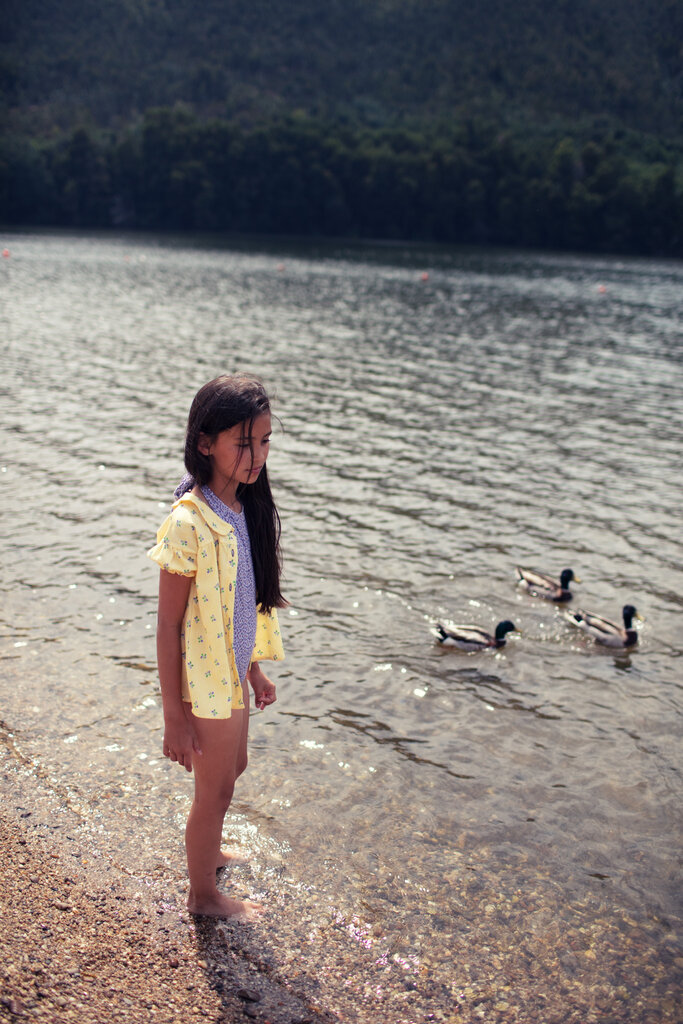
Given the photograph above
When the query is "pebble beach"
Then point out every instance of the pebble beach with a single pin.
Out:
(81, 941)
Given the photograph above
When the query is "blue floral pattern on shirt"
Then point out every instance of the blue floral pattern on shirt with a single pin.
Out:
(244, 616)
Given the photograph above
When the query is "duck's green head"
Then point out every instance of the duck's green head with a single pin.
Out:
(566, 576)
(505, 627)
(629, 612)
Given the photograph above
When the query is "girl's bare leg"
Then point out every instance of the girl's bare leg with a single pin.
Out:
(223, 743)
(227, 855)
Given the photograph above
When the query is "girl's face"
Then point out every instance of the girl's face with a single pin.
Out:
(236, 457)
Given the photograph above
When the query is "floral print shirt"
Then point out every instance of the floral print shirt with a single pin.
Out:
(194, 541)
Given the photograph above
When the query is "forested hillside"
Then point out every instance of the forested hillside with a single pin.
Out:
(519, 123)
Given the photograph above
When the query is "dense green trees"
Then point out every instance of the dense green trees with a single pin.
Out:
(377, 61)
(470, 183)
(524, 124)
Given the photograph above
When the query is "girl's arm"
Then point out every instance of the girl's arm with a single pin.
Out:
(180, 742)
(263, 687)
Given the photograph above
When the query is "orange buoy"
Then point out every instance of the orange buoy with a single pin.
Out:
(425, 276)
(5, 253)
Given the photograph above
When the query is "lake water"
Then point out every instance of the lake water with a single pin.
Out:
(489, 836)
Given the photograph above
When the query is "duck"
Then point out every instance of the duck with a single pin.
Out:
(473, 638)
(604, 631)
(539, 585)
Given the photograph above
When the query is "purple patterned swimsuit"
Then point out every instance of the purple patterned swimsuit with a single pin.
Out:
(244, 616)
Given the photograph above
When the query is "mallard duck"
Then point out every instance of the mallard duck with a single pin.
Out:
(539, 585)
(606, 632)
(473, 638)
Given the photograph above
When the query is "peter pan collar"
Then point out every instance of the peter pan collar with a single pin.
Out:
(214, 522)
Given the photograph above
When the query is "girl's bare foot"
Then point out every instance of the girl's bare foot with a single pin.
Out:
(219, 905)
(228, 856)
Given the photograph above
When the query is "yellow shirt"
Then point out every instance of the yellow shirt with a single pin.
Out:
(193, 541)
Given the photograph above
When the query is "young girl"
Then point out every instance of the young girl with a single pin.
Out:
(219, 590)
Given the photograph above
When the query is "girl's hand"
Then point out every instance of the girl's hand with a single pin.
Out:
(263, 687)
(180, 742)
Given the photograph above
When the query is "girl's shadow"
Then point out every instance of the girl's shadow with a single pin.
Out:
(244, 972)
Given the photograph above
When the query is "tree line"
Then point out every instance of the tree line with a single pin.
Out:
(471, 182)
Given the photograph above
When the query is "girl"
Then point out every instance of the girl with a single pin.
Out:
(219, 590)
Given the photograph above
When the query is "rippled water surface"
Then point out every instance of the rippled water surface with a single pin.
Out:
(451, 827)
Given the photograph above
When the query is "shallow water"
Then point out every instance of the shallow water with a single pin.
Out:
(451, 828)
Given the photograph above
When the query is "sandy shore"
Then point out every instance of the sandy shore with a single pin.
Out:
(81, 942)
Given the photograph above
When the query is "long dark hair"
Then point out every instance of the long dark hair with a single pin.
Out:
(219, 405)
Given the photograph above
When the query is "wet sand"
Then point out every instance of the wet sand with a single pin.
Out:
(80, 941)
(84, 939)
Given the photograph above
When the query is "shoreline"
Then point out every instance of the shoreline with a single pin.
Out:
(82, 941)
(85, 939)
